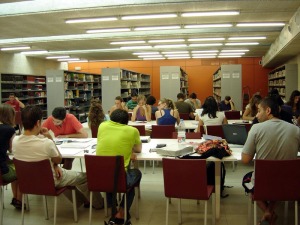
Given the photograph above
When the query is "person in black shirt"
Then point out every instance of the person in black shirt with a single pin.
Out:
(227, 104)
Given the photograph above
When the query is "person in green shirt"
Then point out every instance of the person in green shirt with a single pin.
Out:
(132, 103)
(114, 138)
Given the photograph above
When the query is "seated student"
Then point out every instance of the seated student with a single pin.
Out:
(226, 104)
(294, 104)
(119, 104)
(184, 107)
(65, 125)
(151, 100)
(96, 115)
(131, 104)
(196, 103)
(251, 108)
(210, 114)
(141, 112)
(167, 113)
(36, 144)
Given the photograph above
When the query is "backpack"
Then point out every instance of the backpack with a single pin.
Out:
(247, 184)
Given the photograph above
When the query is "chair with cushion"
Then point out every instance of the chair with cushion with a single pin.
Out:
(215, 130)
(273, 184)
(141, 129)
(100, 178)
(184, 116)
(162, 131)
(37, 178)
(181, 183)
(233, 115)
(188, 135)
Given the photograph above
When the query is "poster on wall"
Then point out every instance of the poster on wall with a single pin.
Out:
(165, 76)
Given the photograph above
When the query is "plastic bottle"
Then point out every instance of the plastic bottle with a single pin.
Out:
(181, 132)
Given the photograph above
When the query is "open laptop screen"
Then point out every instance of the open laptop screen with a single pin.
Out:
(235, 133)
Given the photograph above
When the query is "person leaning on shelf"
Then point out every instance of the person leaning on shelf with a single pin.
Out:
(132, 102)
(119, 104)
(15, 102)
(226, 104)
(65, 125)
(141, 112)
(251, 108)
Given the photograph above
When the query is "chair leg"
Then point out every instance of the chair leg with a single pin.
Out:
(145, 166)
(27, 203)
(1, 204)
(45, 207)
(233, 166)
(254, 213)
(286, 209)
(55, 209)
(179, 211)
(205, 213)
(105, 204)
(125, 208)
(136, 190)
(213, 208)
(81, 165)
(91, 200)
(249, 209)
(296, 212)
(22, 216)
(74, 205)
(153, 167)
(167, 212)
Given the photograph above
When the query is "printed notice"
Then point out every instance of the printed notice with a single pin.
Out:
(236, 75)
(165, 76)
(50, 79)
(104, 78)
(226, 75)
(175, 76)
(115, 77)
(58, 79)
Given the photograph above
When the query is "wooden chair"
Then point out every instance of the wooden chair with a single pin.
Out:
(141, 129)
(162, 131)
(180, 183)
(277, 180)
(233, 115)
(215, 130)
(188, 135)
(102, 168)
(37, 178)
(184, 116)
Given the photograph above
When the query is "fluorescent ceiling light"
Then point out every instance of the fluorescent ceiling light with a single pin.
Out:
(178, 55)
(149, 56)
(154, 58)
(177, 52)
(235, 50)
(187, 57)
(145, 53)
(243, 43)
(79, 61)
(108, 30)
(158, 28)
(15, 48)
(58, 57)
(260, 24)
(149, 16)
(220, 13)
(205, 54)
(35, 52)
(126, 42)
(205, 51)
(208, 25)
(204, 45)
(229, 56)
(232, 53)
(89, 20)
(136, 47)
(69, 59)
(163, 41)
(206, 39)
(170, 46)
(247, 38)
(203, 57)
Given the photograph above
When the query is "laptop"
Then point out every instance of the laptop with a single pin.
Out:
(235, 133)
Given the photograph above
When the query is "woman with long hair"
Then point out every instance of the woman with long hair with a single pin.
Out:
(294, 103)
(251, 108)
(96, 116)
(141, 112)
(167, 113)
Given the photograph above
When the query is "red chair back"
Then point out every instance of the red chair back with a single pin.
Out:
(153, 116)
(35, 177)
(141, 129)
(277, 180)
(162, 131)
(215, 130)
(100, 173)
(181, 182)
(184, 116)
(188, 135)
(233, 115)
(248, 126)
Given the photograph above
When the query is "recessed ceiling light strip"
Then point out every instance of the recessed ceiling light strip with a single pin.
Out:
(247, 38)
(206, 39)
(164, 41)
(126, 42)
(217, 13)
(157, 28)
(170, 46)
(280, 24)
(150, 56)
(149, 16)
(207, 25)
(205, 51)
(145, 53)
(243, 43)
(15, 48)
(90, 20)
(235, 50)
(37, 52)
(205, 45)
(108, 30)
(136, 47)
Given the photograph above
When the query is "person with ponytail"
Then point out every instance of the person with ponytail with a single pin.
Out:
(167, 113)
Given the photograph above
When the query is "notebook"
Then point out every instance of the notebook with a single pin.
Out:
(235, 133)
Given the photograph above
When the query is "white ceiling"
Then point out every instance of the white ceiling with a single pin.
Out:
(41, 25)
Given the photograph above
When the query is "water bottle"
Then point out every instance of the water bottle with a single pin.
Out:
(181, 132)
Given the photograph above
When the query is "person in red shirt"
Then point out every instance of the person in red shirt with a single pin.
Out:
(65, 125)
(15, 102)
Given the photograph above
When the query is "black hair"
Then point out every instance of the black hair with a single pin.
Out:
(30, 115)
(193, 96)
(119, 98)
(151, 100)
(210, 107)
(272, 103)
(59, 113)
(180, 96)
(119, 116)
(12, 94)
(292, 98)
(227, 98)
(134, 94)
(275, 95)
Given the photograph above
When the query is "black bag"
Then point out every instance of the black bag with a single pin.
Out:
(246, 183)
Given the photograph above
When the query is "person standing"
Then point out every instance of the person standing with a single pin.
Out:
(15, 102)
(272, 139)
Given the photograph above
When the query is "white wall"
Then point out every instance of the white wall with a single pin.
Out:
(22, 64)
(295, 60)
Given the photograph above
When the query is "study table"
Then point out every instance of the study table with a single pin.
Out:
(146, 154)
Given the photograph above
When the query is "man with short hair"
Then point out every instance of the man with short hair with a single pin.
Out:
(184, 107)
(65, 125)
(15, 102)
(36, 144)
(132, 103)
(119, 104)
(115, 138)
(272, 138)
(196, 103)
(227, 104)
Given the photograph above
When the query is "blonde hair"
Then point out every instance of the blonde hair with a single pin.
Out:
(169, 103)
(142, 110)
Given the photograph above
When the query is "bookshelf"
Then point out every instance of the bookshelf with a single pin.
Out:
(73, 90)
(30, 89)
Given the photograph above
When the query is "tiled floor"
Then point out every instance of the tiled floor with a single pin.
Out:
(152, 205)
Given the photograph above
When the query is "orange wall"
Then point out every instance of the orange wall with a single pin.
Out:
(199, 71)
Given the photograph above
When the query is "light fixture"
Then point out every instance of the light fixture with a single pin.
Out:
(247, 38)
(136, 47)
(108, 30)
(217, 13)
(243, 43)
(145, 53)
(170, 46)
(154, 58)
(89, 20)
(205, 45)
(187, 57)
(37, 52)
(204, 57)
(68, 59)
(149, 16)
(126, 42)
(280, 24)
(235, 50)
(79, 61)
(205, 51)
(208, 25)
(229, 56)
(15, 48)
(157, 28)
(206, 39)
(205, 54)
(150, 56)
(177, 52)
(164, 41)
(177, 55)
(58, 57)
(232, 53)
